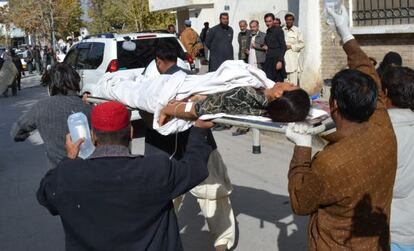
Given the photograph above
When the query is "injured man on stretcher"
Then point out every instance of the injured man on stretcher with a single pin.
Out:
(176, 100)
(284, 102)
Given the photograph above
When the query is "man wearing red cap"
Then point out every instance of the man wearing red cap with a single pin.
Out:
(116, 201)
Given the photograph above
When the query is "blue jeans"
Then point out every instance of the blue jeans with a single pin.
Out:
(399, 247)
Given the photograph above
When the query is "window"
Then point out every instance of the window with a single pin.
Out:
(86, 56)
(70, 58)
(382, 12)
(96, 54)
(144, 52)
(90, 55)
(82, 62)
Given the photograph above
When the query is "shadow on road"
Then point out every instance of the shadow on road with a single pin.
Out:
(256, 203)
(24, 224)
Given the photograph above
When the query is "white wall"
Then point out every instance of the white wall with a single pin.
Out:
(310, 26)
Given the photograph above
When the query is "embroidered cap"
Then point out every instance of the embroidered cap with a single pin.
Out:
(109, 117)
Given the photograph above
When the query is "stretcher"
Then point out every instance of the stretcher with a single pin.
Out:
(316, 127)
(318, 124)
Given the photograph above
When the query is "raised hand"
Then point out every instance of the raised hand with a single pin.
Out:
(341, 23)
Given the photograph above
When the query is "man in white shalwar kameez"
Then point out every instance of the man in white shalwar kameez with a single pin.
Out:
(295, 44)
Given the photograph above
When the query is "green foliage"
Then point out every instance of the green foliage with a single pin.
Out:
(124, 16)
(35, 16)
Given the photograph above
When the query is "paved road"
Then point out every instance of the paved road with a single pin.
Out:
(260, 202)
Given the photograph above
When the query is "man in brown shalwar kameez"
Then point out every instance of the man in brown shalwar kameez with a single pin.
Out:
(347, 187)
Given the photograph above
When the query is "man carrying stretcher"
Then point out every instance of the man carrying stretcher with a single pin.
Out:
(213, 193)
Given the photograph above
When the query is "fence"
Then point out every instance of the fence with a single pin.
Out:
(382, 12)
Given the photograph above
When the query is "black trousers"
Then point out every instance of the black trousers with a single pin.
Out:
(173, 145)
(270, 69)
(19, 80)
(170, 144)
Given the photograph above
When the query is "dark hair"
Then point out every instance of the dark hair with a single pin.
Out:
(254, 21)
(399, 83)
(62, 79)
(293, 106)
(269, 15)
(355, 94)
(167, 52)
(120, 137)
(206, 24)
(225, 14)
(170, 25)
(278, 19)
(390, 59)
(289, 15)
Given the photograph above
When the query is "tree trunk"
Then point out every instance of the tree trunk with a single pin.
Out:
(136, 25)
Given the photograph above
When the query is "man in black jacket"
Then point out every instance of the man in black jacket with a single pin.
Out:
(274, 65)
(117, 201)
(215, 204)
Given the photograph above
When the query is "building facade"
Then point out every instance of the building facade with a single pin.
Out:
(379, 25)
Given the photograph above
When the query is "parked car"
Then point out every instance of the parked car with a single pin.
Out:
(94, 56)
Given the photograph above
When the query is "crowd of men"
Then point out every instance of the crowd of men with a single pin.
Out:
(276, 51)
(358, 191)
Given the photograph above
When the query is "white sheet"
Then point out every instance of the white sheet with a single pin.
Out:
(151, 93)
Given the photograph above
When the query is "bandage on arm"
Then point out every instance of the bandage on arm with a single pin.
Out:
(181, 110)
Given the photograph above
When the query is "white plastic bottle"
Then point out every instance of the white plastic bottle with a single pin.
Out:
(333, 4)
(79, 128)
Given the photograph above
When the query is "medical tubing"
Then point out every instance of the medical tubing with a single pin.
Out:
(176, 132)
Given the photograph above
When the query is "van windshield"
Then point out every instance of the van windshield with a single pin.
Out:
(144, 52)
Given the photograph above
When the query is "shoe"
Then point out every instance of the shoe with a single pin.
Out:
(221, 248)
(240, 131)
